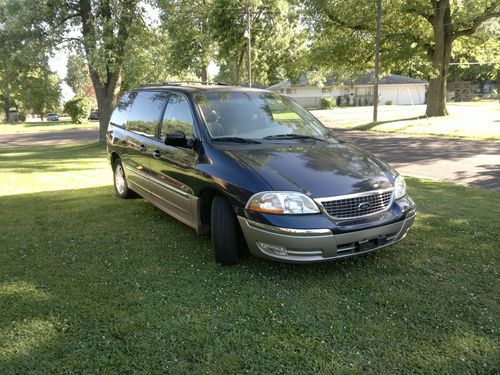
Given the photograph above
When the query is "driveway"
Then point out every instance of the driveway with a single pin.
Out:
(466, 162)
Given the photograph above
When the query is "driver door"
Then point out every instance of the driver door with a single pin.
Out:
(173, 167)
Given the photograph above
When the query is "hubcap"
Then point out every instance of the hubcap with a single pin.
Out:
(119, 179)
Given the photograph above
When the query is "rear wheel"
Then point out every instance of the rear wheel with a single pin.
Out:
(224, 227)
(121, 187)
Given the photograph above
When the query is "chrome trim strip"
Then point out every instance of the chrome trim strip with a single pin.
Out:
(354, 195)
(161, 183)
(289, 231)
(304, 253)
(320, 201)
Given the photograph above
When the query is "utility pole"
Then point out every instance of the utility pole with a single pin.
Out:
(377, 60)
(248, 34)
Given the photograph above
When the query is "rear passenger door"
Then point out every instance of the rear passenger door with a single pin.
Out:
(142, 127)
(173, 167)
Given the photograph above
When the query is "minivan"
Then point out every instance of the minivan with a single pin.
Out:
(255, 170)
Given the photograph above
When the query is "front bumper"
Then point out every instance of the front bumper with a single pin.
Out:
(319, 245)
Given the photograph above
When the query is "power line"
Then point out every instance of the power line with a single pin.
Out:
(477, 63)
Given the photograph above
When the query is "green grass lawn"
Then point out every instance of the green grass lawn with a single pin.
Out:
(474, 120)
(92, 284)
(40, 126)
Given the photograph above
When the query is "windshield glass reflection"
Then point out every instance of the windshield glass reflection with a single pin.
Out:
(256, 116)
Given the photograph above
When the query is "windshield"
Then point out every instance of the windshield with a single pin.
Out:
(254, 115)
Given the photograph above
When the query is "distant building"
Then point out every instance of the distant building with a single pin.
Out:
(393, 89)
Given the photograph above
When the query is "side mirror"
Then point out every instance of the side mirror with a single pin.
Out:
(177, 139)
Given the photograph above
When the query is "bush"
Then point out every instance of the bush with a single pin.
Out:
(21, 116)
(328, 102)
(388, 102)
(78, 108)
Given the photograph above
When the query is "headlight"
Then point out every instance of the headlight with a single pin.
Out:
(399, 187)
(282, 202)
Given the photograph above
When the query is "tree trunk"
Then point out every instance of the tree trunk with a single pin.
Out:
(107, 97)
(441, 54)
(498, 85)
(6, 104)
(237, 71)
(6, 111)
(204, 74)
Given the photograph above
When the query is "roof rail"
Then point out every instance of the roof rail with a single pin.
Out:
(180, 83)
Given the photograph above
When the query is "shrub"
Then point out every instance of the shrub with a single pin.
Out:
(78, 108)
(328, 102)
(388, 102)
(21, 116)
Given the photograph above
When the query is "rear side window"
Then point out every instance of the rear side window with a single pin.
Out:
(178, 117)
(146, 112)
(120, 114)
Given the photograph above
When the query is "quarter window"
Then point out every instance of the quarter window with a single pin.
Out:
(178, 117)
(120, 114)
(146, 112)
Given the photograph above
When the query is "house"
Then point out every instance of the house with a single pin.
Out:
(393, 89)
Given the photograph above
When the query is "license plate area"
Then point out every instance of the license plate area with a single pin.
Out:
(366, 245)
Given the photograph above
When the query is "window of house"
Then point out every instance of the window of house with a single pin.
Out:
(146, 111)
(178, 117)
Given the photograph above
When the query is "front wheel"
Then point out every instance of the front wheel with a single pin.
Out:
(224, 227)
(121, 187)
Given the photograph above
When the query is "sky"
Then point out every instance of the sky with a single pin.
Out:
(58, 64)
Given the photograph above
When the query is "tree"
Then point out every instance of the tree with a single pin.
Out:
(191, 40)
(483, 50)
(447, 26)
(277, 39)
(40, 92)
(106, 27)
(77, 76)
(418, 34)
(25, 46)
(154, 63)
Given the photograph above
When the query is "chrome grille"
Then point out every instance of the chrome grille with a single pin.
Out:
(356, 205)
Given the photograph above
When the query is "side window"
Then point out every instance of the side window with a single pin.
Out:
(120, 114)
(178, 117)
(145, 113)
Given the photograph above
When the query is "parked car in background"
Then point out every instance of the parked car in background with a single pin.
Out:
(94, 115)
(52, 116)
(251, 164)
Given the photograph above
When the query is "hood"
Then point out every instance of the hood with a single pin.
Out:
(319, 169)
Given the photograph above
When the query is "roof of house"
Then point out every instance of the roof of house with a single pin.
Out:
(364, 79)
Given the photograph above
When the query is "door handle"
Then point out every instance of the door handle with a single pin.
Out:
(143, 148)
(157, 154)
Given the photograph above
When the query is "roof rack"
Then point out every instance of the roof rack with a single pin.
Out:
(180, 83)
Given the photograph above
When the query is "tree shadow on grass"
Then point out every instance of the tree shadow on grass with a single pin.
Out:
(371, 125)
(130, 289)
(51, 158)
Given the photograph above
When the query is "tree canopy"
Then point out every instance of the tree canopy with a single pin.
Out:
(117, 45)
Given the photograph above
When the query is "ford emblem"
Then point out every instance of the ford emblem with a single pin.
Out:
(364, 206)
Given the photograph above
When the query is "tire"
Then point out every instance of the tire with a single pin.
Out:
(224, 228)
(120, 181)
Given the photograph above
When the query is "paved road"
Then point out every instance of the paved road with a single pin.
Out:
(47, 138)
(464, 162)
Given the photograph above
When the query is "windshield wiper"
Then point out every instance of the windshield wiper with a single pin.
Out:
(235, 139)
(293, 136)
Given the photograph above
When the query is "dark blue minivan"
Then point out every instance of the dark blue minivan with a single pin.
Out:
(254, 169)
